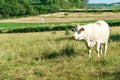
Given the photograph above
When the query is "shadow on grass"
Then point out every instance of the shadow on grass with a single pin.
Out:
(64, 38)
(52, 55)
(115, 37)
(115, 75)
(106, 72)
(67, 50)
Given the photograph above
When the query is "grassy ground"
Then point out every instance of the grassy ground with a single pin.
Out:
(11, 25)
(49, 21)
(54, 56)
(71, 17)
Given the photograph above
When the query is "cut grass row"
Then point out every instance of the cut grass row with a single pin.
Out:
(9, 25)
(40, 27)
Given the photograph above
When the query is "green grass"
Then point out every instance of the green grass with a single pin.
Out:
(17, 25)
(41, 27)
(36, 27)
(5, 25)
(55, 56)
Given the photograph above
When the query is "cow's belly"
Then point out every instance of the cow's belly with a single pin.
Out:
(101, 39)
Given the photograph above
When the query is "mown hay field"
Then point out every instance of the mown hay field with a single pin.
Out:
(54, 55)
(70, 17)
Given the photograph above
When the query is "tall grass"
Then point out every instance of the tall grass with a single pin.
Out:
(55, 56)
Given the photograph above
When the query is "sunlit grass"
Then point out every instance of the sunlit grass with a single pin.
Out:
(55, 56)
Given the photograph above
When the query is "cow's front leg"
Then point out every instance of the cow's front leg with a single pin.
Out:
(89, 48)
(98, 48)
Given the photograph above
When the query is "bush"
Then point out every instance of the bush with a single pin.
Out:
(42, 9)
(100, 11)
(115, 10)
(67, 32)
(66, 14)
(68, 50)
(53, 8)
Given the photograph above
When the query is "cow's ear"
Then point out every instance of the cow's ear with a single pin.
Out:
(82, 29)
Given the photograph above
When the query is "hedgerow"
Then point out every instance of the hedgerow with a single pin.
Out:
(49, 27)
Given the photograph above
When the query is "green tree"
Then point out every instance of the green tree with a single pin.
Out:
(31, 7)
(78, 3)
(15, 8)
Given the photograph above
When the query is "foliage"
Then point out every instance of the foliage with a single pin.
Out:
(67, 32)
(11, 8)
(89, 10)
(115, 9)
(66, 13)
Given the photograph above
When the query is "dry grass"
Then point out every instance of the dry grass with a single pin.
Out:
(72, 17)
(54, 56)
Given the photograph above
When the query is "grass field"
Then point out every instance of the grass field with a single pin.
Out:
(50, 21)
(71, 17)
(10, 27)
(55, 56)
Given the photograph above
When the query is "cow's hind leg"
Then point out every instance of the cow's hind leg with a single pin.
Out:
(101, 50)
(105, 48)
(98, 48)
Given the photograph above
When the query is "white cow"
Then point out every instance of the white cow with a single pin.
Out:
(94, 34)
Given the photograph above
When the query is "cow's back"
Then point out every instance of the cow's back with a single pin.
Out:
(98, 31)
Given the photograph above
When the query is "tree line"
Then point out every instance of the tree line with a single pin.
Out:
(11, 8)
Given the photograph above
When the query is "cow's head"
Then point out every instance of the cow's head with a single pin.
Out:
(78, 32)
